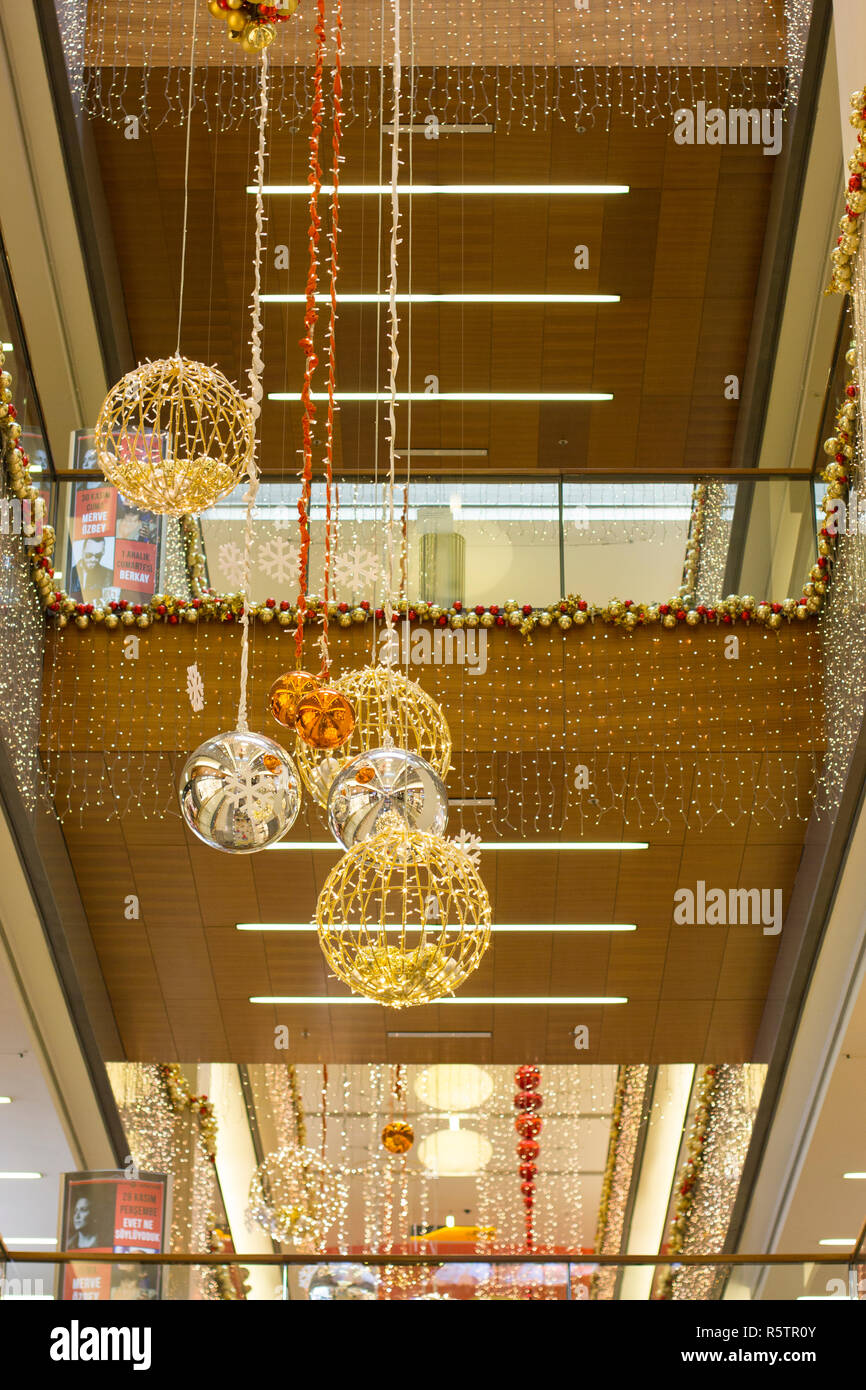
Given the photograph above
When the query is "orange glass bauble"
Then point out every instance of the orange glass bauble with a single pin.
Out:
(398, 1137)
(324, 718)
(286, 692)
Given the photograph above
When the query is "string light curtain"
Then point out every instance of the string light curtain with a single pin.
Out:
(525, 65)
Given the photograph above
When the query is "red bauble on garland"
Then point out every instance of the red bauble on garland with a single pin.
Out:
(528, 1124)
(526, 1078)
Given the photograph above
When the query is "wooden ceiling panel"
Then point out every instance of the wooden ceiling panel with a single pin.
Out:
(691, 226)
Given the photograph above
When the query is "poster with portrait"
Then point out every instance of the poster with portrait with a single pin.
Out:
(113, 549)
(112, 1211)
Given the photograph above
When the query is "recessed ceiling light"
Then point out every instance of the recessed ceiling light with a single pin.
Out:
(513, 190)
(542, 1001)
(858, 1176)
(492, 846)
(494, 397)
(839, 1240)
(5, 1100)
(20, 1177)
(6, 347)
(413, 298)
(539, 928)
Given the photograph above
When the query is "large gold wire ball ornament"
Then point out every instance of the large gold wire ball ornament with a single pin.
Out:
(296, 1196)
(389, 710)
(174, 436)
(398, 1136)
(239, 792)
(381, 781)
(404, 917)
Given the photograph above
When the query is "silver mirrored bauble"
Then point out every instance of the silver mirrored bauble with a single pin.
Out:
(239, 792)
(383, 780)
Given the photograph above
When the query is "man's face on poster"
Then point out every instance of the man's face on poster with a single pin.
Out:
(128, 527)
(81, 1214)
(91, 555)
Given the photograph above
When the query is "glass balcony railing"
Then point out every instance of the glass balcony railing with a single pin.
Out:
(480, 1277)
(474, 541)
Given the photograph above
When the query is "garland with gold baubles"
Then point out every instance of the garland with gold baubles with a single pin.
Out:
(184, 1102)
(251, 24)
(848, 241)
(690, 1173)
(571, 612)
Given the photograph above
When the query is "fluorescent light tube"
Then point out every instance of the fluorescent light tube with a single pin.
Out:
(498, 397)
(413, 298)
(543, 1001)
(29, 1240)
(532, 928)
(490, 846)
(839, 1240)
(421, 1033)
(20, 1177)
(433, 131)
(513, 190)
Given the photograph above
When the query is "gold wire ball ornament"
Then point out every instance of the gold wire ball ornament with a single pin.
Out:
(174, 436)
(390, 710)
(296, 1197)
(398, 1136)
(286, 692)
(324, 719)
(404, 917)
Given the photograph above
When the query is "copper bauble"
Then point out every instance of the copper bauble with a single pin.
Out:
(398, 1137)
(286, 692)
(324, 719)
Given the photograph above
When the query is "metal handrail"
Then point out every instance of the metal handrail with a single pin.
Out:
(479, 1257)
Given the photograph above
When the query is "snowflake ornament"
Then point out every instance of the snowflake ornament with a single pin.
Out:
(279, 560)
(251, 793)
(356, 569)
(470, 845)
(230, 559)
(195, 687)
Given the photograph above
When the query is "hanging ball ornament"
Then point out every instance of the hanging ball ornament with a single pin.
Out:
(257, 36)
(174, 436)
(404, 917)
(296, 1197)
(239, 792)
(389, 710)
(286, 692)
(398, 1137)
(381, 781)
(324, 719)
